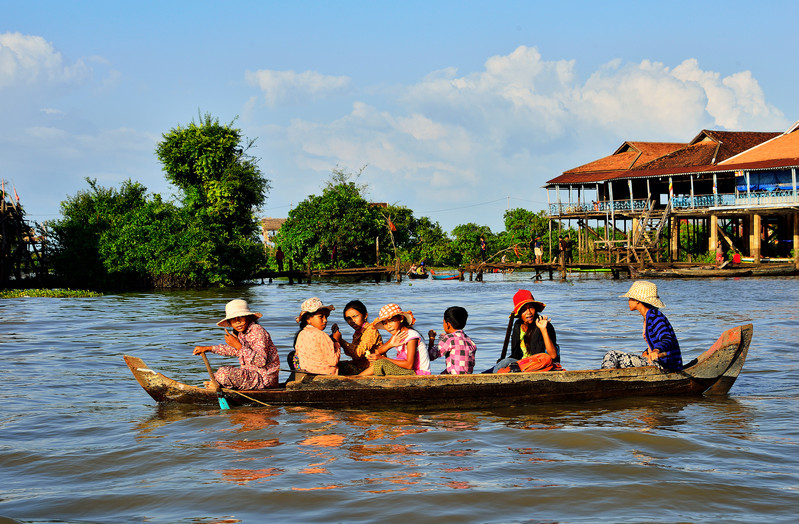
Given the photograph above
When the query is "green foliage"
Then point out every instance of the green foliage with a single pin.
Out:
(48, 293)
(522, 226)
(120, 239)
(466, 242)
(431, 244)
(335, 229)
(88, 216)
(218, 178)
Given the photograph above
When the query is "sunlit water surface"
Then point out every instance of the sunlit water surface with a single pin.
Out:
(80, 441)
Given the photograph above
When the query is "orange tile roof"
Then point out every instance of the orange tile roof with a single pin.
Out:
(734, 142)
(646, 159)
(699, 154)
(784, 146)
(627, 156)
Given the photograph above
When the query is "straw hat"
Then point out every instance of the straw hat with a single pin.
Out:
(312, 305)
(236, 308)
(390, 311)
(524, 297)
(645, 292)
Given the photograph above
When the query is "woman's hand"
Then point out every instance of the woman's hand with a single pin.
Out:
(541, 322)
(199, 350)
(650, 355)
(397, 339)
(232, 340)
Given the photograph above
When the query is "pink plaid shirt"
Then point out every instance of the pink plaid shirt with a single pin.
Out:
(459, 350)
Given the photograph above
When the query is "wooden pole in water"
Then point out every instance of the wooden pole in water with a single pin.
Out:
(507, 338)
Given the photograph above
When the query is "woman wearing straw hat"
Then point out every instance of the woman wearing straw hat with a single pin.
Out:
(662, 350)
(258, 359)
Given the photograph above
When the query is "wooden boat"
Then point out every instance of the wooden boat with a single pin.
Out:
(445, 276)
(759, 271)
(713, 372)
(418, 275)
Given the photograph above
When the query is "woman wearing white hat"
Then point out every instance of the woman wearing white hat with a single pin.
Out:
(662, 350)
(316, 351)
(258, 358)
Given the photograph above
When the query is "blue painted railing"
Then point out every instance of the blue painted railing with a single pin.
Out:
(696, 201)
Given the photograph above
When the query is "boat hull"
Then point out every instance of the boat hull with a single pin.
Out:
(759, 271)
(714, 372)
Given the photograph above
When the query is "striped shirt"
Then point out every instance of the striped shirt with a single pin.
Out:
(661, 338)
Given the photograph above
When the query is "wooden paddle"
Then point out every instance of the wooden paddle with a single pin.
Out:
(507, 337)
(222, 400)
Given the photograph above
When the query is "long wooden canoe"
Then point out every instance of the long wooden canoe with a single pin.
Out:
(753, 271)
(713, 372)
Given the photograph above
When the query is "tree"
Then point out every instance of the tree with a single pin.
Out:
(222, 188)
(122, 239)
(430, 243)
(337, 228)
(78, 237)
(522, 225)
(466, 242)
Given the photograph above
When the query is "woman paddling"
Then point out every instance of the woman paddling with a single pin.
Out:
(259, 363)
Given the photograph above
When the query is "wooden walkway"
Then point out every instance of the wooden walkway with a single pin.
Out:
(356, 274)
(476, 271)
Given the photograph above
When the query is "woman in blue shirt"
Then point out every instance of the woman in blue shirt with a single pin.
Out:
(662, 350)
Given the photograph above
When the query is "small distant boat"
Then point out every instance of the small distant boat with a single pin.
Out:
(418, 275)
(445, 276)
(711, 373)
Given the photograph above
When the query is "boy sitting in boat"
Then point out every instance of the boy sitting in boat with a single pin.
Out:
(455, 345)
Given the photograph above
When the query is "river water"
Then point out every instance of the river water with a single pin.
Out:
(80, 441)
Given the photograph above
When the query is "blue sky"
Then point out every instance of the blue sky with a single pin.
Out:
(457, 109)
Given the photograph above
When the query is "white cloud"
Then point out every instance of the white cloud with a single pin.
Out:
(290, 86)
(506, 129)
(31, 60)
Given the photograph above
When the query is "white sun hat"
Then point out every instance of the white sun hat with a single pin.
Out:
(236, 308)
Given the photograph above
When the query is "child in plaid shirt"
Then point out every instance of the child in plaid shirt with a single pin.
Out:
(454, 344)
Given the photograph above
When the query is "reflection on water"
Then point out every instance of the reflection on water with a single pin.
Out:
(82, 442)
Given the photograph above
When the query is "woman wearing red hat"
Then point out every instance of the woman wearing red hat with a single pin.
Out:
(532, 333)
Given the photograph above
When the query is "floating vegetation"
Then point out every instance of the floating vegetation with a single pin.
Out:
(51, 293)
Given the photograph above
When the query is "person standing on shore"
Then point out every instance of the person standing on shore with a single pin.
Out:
(279, 256)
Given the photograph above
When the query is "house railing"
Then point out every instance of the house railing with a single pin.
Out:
(754, 198)
(612, 205)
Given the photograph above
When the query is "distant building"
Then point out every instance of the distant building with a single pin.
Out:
(741, 186)
(270, 227)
